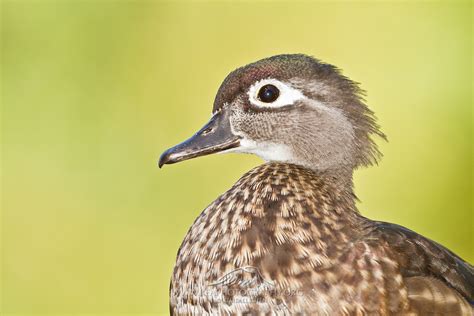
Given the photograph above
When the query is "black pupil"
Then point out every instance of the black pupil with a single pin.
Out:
(268, 93)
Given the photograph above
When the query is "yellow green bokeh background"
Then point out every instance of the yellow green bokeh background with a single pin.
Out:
(94, 91)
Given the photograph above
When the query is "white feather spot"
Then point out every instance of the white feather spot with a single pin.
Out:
(288, 95)
(266, 150)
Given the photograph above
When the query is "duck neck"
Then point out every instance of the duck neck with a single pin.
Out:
(340, 181)
(328, 189)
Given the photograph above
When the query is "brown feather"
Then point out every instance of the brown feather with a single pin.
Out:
(430, 296)
(289, 239)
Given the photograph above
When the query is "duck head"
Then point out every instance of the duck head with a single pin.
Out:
(288, 108)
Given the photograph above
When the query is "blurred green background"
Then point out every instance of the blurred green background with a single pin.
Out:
(94, 91)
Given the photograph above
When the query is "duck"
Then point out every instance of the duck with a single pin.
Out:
(287, 237)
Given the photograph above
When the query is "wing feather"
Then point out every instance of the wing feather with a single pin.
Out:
(438, 281)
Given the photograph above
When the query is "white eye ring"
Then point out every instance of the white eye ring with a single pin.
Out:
(287, 96)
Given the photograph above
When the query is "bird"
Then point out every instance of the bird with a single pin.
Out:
(287, 237)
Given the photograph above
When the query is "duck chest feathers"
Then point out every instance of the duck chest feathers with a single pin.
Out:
(282, 238)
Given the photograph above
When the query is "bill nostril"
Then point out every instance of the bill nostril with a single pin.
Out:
(208, 130)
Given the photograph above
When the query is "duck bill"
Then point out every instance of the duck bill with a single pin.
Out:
(215, 136)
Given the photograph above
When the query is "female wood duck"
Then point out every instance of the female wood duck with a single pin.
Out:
(287, 238)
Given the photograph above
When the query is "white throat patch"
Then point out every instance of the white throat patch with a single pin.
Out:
(266, 150)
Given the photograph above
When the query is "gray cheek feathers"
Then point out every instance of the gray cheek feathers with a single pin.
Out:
(310, 135)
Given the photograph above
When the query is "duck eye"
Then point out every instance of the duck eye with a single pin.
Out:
(268, 93)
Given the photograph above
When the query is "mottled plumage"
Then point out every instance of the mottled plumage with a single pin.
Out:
(287, 238)
(303, 235)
